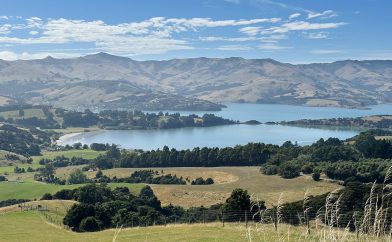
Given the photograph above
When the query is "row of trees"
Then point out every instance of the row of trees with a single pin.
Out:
(379, 122)
(287, 160)
(113, 119)
(366, 160)
(99, 208)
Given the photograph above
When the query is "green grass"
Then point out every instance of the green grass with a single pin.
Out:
(31, 226)
(28, 113)
(34, 190)
(70, 130)
(87, 154)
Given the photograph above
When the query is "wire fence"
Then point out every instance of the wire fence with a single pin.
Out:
(245, 217)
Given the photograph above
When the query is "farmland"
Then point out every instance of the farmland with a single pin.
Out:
(226, 179)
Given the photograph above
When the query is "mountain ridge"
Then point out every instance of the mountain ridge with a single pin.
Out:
(346, 83)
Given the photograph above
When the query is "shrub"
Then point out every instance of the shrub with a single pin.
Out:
(47, 196)
(89, 224)
(316, 176)
(77, 177)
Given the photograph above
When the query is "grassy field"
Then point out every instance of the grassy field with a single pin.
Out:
(87, 154)
(59, 207)
(4, 161)
(34, 190)
(28, 113)
(267, 188)
(31, 226)
(71, 130)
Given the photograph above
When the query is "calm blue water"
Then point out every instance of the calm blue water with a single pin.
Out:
(276, 112)
(223, 136)
(220, 136)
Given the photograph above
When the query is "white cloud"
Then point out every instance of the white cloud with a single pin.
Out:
(234, 48)
(302, 25)
(33, 32)
(270, 47)
(323, 15)
(325, 52)
(252, 31)
(4, 17)
(235, 39)
(294, 15)
(316, 35)
(11, 56)
(5, 28)
(152, 36)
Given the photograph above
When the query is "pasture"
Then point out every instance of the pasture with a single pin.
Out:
(29, 189)
(85, 153)
(32, 226)
(267, 188)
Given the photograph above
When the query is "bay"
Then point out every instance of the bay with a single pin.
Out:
(231, 135)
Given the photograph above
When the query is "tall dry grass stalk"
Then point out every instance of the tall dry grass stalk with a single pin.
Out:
(116, 233)
(371, 224)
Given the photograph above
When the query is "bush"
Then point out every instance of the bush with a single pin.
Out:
(77, 177)
(3, 178)
(47, 196)
(307, 169)
(269, 169)
(65, 194)
(289, 170)
(89, 224)
(201, 181)
(10, 202)
(316, 176)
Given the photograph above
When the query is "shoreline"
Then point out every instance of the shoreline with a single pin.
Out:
(61, 139)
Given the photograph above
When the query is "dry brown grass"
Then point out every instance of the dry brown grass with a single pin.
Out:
(383, 137)
(53, 205)
(4, 100)
(377, 118)
(267, 188)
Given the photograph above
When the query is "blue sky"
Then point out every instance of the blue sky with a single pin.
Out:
(300, 31)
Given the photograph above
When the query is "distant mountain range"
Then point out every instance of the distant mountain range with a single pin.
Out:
(107, 81)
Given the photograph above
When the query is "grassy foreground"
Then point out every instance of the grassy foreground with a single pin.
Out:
(31, 226)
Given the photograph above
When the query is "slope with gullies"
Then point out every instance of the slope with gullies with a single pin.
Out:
(104, 78)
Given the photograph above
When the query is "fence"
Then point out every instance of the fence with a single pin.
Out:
(320, 219)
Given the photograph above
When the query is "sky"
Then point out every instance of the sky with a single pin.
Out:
(293, 31)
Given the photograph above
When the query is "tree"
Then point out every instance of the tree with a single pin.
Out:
(89, 224)
(77, 177)
(77, 146)
(289, 170)
(239, 200)
(93, 193)
(99, 174)
(21, 113)
(316, 176)
(147, 193)
(77, 213)
(47, 171)
(47, 196)
(237, 206)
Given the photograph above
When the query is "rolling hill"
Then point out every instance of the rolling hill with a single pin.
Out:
(107, 81)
